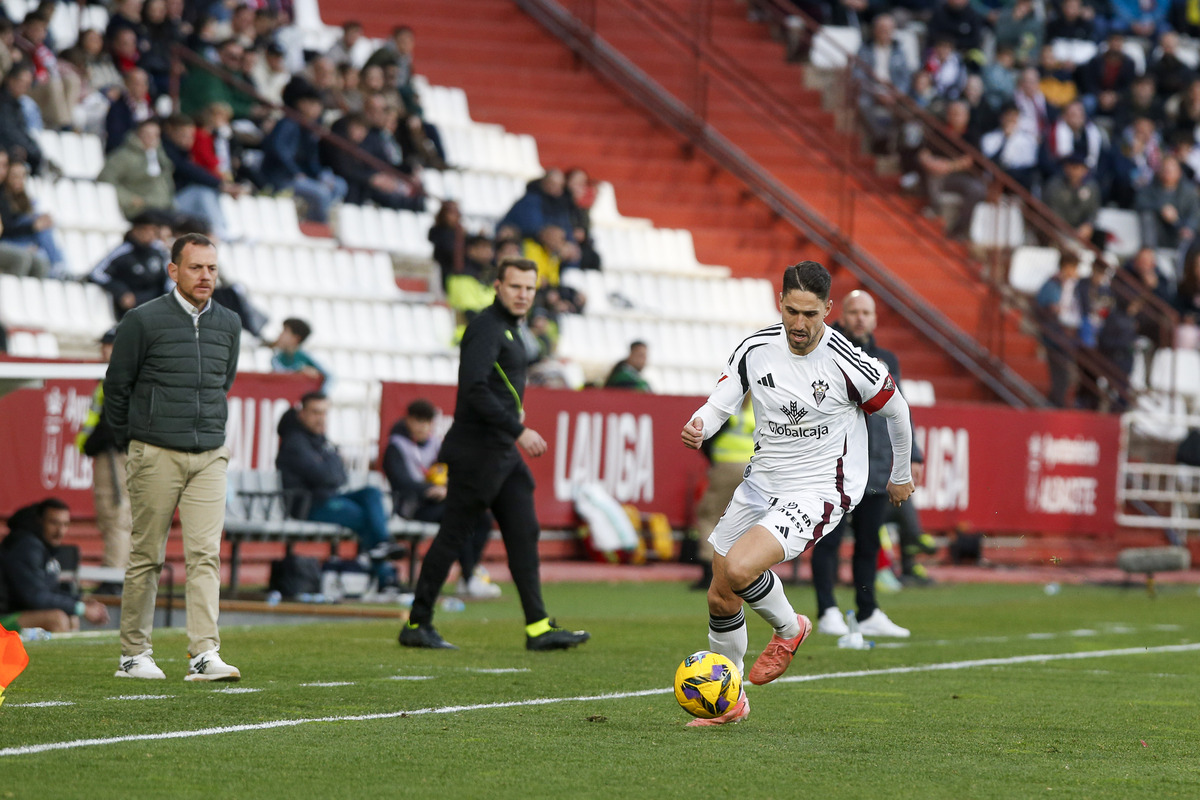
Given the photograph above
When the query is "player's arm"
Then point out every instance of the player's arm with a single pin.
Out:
(895, 411)
(724, 401)
(477, 363)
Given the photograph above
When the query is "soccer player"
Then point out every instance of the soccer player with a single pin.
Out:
(811, 390)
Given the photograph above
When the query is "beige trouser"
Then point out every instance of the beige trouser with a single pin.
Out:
(159, 480)
(55, 97)
(112, 507)
(723, 480)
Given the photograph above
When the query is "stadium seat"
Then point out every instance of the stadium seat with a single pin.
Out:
(918, 393)
(46, 345)
(998, 225)
(833, 45)
(1031, 267)
(1174, 370)
(1124, 231)
(22, 344)
(1074, 51)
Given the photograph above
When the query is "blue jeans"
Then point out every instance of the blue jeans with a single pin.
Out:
(45, 241)
(362, 512)
(204, 202)
(319, 193)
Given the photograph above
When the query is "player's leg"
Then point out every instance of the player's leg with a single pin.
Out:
(824, 578)
(868, 517)
(726, 619)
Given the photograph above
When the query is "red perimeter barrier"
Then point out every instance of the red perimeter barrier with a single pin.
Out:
(989, 467)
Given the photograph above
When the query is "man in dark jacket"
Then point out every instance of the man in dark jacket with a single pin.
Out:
(418, 482)
(545, 202)
(312, 474)
(858, 324)
(290, 159)
(136, 271)
(485, 467)
(30, 592)
(173, 363)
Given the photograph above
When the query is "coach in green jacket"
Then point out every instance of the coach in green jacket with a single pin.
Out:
(173, 362)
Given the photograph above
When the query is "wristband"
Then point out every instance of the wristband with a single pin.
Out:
(80, 607)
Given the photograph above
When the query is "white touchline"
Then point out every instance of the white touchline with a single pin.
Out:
(545, 701)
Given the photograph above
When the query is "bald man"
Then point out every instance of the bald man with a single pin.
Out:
(857, 323)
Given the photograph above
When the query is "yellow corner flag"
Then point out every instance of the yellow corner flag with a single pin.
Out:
(13, 659)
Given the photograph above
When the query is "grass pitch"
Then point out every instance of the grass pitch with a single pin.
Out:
(339, 710)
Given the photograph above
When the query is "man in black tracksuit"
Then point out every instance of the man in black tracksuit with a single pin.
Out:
(858, 324)
(485, 468)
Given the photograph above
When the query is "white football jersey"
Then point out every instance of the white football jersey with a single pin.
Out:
(811, 431)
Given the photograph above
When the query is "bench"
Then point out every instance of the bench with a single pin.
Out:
(256, 511)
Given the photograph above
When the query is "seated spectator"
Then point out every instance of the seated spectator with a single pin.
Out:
(947, 68)
(1075, 134)
(312, 474)
(1143, 269)
(291, 160)
(983, 118)
(1171, 75)
(1070, 22)
(347, 49)
(1118, 340)
(882, 65)
(55, 91)
(1140, 18)
(24, 225)
(957, 21)
(448, 237)
(1187, 298)
(385, 190)
(1106, 77)
(582, 193)
(1032, 103)
(947, 169)
(204, 38)
(1140, 101)
(1075, 197)
(129, 108)
(371, 80)
(289, 355)
(418, 484)
(322, 77)
(126, 54)
(201, 88)
(241, 25)
(1057, 81)
(544, 203)
(1183, 110)
(1019, 27)
(163, 33)
(396, 56)
(1000, 78)
(1183, 147)
(627, 373)
(1169, 208)
(469, 290)
(419, 141)
(1136, 162)
(270, 74)
(214, 146)
(136, 271)
(1014, 149)
(102, 72)
(197, 191)
(553, 253)
(349, 95)
(126, 14)
(16, 135)
(1058, 308)
(31, 595)
(8, 44)
(141, 172)
(267, 25)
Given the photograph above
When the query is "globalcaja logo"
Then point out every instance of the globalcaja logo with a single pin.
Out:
(794, 412)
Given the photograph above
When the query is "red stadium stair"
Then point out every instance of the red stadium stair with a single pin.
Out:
(519, 76)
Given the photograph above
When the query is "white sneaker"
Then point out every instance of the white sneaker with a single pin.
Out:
(139, 666)
(209, 666)
(878, 624)
(831, 622)
(479, 587)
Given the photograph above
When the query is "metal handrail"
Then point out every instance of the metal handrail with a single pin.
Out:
(592, 49)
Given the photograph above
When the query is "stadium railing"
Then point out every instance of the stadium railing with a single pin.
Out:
(578, 30)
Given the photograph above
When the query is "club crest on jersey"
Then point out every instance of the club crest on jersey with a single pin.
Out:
(794, 412)
(888, 385)
(819, 390)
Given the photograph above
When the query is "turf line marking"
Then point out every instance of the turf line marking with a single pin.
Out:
(410, 677)
(42, 704)
(498, 670)
(323, 684)
(142, 697)
(32, 749)
(236, 690)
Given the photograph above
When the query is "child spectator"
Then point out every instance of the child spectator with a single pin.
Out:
(289, 357)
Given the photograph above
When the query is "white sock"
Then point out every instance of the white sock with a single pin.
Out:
(727, 636)
(765, 595)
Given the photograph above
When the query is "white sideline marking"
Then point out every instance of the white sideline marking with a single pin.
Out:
(236, 690)
(32, 749)
(322, 684)
(142, 697)
(42, 704)
(498, 670)
(410, 677)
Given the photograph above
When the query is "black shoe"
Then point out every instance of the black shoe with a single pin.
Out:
(556, 639)
(423, 635)
(387, 552)
(108, 589)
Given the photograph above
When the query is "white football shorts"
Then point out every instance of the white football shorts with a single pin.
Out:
(795, 521)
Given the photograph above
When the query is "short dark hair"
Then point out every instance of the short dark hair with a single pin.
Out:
(421, 409)
(178, 120)
(198, 239)
(1067, 259)
(52, 503)
(637, 343)
(299, 327)
(351, 23)
(312, 397)
(808, 276)
(522, 264)
(399, 29)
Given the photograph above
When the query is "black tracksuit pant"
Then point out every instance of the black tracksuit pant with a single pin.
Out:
(478, 480)
(866, 518)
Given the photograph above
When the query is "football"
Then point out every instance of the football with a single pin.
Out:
(707, 684)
